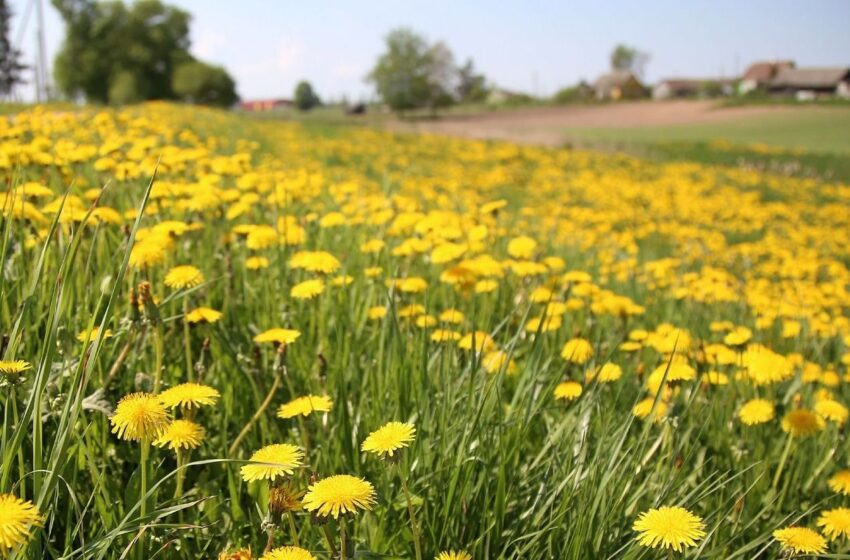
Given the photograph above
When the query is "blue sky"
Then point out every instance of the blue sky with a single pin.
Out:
(534, 45)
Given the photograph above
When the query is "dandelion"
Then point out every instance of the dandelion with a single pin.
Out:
(203, 315)
(389, 438)
(480, 340)
(256, 263)
(453, 555)
(568, 391)
(91, 334)
(835, 523)
(832, 410)
(802, 423)
(272, 461)
(756, 411)
(840, 482)
(189, 396)
(608, 373)
(241, 554)
(315, 261)
(16, 518)
(800, 540)
(304, 406)
(184, 276)
(139, 416)
(339, 494)
(673, 528)
(577, 351)
(277, 336)
(644, 408)
(13, 368)
(288, 553)
(307, 289)
(181, 434)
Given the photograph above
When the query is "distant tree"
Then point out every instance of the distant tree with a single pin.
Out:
(472, 87)
(578, 93)
(442, 76)
(403, 74)
(628, 58)
(11, 67)
(204, 84)
(305, 97)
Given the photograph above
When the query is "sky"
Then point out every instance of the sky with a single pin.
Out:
(534, 46)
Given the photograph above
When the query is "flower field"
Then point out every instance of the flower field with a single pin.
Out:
(230, 338)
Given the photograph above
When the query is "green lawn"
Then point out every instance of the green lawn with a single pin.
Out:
(819, 129)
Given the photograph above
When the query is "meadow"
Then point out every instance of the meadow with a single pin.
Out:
(236, 339)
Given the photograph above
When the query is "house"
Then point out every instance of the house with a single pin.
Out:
(760, 73)
(810, 83)
(618, 84)
(260, 105)
(680, 88)
(502, 96)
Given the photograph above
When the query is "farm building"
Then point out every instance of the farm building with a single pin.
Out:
(260, 105)
(682, 88)
(810, 83)
(619, 84)
(760, 73)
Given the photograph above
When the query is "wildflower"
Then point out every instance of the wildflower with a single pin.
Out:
(800, 540)
(498, 360)
(835, 523)
(139, 416)
(445, 335)
(241, 554)
(738, 337)
(288, 553)
(716, 378)
(189, 395)
(568, 391)
(377, 312)
(608, 373)
(256, 263)
(272, 461)
(644, 408)
(307, 289)
(305, 406)
(832, 410)
(669, 527)
(454, 555)
(452, 316)
(278, 336)
(802, 423)
(283, 499)
(478, 340)
(181, 434)
(16, 518)
(203, 315)
(522, 247)
(91, 334)
(339, 494)
(389, 438)
(756, 411)
(13, 368)
(184, 276)
(840, 482)
(577, 351)
(315, 261)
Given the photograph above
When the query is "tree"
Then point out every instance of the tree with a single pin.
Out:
(442, 75)
(630, 59)
(11, 67)
(204, 84)
(305, 97)
(472, 87)
(402, 75)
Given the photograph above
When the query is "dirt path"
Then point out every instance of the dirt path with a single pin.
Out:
(547, 125)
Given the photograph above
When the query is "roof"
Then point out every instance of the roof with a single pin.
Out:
(617, 78)
(815, 78)
(764, 71)
(694, 83)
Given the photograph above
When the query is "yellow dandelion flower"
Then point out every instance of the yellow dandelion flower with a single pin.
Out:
(305, 406)
(835, 523)
(307, 289)
(716, 378)
(669, 527)
(277, 336)
(608, 373)
(445, 335)
(139, 416)
(568, 391)
(486, 286)
(802, 423)
(181, 434)
(256, 263)
(756, 411)
(840, 482)
(183, 276)
(91, 334)
(149, 252)
(496, 361)
(832, 410)
(800, 540)
(13, 368)
(16, 518)
(241, 554)
(189, 395)
(342, 280)
(478, 340)
(452, 316)
(203, 315)
(389, 438)
(577, 351)
(339, 494)
(272, 461)
(453, 555)
(738, 336)
(288, 553)
(315, 261)
(522, 247)
(643, 409)
(377, 312)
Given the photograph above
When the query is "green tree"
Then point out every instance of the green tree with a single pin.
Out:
(11, 67)
(305, 96)
(472, 86)
(630, 59)
(205, 84)
(402, 75)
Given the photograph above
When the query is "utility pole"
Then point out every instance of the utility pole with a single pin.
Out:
(43, 81)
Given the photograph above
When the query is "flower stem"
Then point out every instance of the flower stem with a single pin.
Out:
(782, 461)
(143, 490)
(187, 341)
(158, 351)
(330, 540)
(342, 544)
(235, 445)
(414, 527)
(293, 532)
